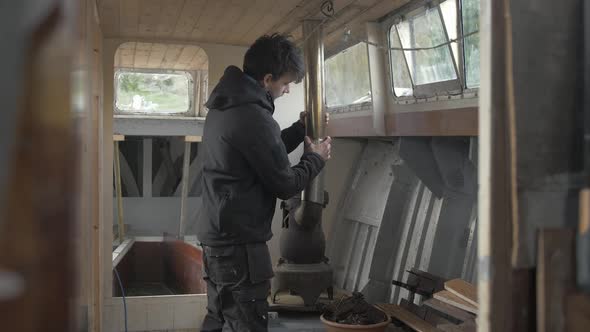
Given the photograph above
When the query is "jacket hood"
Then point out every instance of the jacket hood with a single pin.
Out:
(236, 89)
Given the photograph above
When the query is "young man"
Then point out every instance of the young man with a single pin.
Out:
(245, 170)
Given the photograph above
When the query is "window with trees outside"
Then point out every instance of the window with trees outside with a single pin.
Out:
(347, 77)
(153, 92)
(430, 64)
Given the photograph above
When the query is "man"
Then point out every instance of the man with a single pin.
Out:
(245, 169)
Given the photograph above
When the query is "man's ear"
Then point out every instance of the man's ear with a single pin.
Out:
(266, 80)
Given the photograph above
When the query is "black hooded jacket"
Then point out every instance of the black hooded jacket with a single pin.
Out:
(245, 163)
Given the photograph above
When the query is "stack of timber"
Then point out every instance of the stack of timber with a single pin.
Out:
(448, 305)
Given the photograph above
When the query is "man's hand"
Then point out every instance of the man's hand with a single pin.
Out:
(303, 117)
(323, 149)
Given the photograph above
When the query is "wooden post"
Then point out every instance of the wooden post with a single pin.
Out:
(555, 277)
(495, 224)
(185, 178)
(117, 167)
(147, 167)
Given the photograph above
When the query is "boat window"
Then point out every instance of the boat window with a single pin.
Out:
(347, 77)
(152, 92)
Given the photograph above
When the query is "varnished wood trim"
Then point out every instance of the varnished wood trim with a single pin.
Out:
(452, 122)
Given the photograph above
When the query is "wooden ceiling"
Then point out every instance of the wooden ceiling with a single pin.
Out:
(161, 56)
(232, 22)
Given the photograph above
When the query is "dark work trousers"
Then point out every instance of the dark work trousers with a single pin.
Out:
(238, 284)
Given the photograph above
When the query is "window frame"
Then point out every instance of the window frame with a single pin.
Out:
(190, 112)
(453, 87)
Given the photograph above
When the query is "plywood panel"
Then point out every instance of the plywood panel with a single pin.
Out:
(109, 13)
(462, 289)
(407, 318)
(248, 19)
(234, 22)
(309, 9)
(234, 10)
(449, 310)
(129, 22)
(268, 15)
(189, 17)
(454, 300)
(149, 17)
(555, 277)
(171, 11)
(161, 56)
(213, 13)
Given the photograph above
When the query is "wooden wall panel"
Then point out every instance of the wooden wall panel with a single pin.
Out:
(161, 56)
(234, 22)
(129, 19)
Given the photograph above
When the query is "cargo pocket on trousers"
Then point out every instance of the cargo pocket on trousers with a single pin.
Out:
(253, 305)
(259, 262)
(223, 265)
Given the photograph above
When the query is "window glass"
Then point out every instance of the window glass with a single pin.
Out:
(426, 30)
(143, 92)
(402, 84)
(449, 13)
(470, 12)
(347, 77)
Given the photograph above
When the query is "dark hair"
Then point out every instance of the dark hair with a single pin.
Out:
(276, 55)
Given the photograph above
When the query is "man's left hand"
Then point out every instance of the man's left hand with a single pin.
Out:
(303, 117)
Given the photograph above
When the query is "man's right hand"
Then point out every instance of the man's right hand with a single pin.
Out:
(323, 149)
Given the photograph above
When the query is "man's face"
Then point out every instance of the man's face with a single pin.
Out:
(278, 87)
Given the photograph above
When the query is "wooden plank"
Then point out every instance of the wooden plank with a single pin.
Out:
(234, 11)
(494, 221)
(212, 13)
(463, 289)
(449, 310)
(578, 313)
(109, 17)
(452, 299)
(149, 16)
(129, 22)
(118, 138)
(37, 243)
(247, 20)
(185, 176)
(193, 138)
(555, 277)
(157, 55)
(523, 298)
(407, 317)
(465, 327)
(186, 56)
(189, 17)
(425, 313)
(171, 56)
(169, 17)
(200, 61)
(273, 13)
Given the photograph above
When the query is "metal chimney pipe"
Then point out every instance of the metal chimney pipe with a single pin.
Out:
(313, 52)
(303, 268)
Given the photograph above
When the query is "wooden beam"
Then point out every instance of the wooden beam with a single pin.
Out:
(193, 138)
(494, 222)
(184, 193)
(407, 317)
(452, 299)
(577, 308)
(119, 192)
(449, 310)
(118, 138)
(555, 277)
(463, 289)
